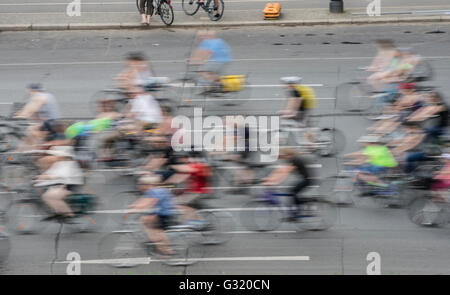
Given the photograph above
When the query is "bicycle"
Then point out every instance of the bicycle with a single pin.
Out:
(233, 90)
(216, 229)
(163, 9)
(116, 99)
(26, 212)
(125, 247)
(267, 211)
(326, 141)
(215, 11)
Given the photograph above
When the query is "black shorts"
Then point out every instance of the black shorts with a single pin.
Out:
(165, 221)
(74, 188)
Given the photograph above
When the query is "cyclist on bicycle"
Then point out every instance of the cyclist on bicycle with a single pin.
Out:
(296, 107)
(42, 107)
(159, 205)
(213, 54)
(63, 178)
(294, 165)
(137, 71)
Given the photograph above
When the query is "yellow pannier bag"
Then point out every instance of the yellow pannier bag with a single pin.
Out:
(233, 83)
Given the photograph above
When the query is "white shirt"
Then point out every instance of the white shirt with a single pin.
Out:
(68, 172)
(146, 109)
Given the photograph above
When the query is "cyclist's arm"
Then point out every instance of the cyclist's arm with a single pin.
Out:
(200, 56)
(144, 203)
(155, 163)
(278, 175)
(410, 142)
(31, 107)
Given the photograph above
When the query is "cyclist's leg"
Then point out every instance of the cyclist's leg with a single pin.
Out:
(295, 191)
(186, 203)
(54, 198)
(154, 226)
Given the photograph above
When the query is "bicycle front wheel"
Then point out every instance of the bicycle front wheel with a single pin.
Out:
(215, 11)
(331, 141)
(321, 215)
(166, 13)
(122, 249)
(190, 7)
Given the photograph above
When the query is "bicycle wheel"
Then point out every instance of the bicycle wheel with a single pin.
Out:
(215, 13)
(123, 249)
(121, 201)
(321, 215)
(352, 97)
(232, 98)
(25, 218)
(331, 141)
(219, 227)
(9, 141)
(190, 7)
(424, 212)
(166, 13)
(260, 215)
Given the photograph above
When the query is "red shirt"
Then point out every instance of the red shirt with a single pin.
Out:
(199, 180)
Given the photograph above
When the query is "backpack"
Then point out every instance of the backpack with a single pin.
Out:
(308, 95)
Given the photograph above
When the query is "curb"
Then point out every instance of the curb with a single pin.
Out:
(331, 21)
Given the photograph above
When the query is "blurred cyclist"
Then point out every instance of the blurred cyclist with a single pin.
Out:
(160, 208)
(42, 107)
(213, 54)
(294, 165)
(137, 71)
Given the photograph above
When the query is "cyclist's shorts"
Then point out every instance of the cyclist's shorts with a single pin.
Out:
(165, 174)
(372, 169)
(165, 221)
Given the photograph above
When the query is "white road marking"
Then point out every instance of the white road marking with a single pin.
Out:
(148, 260)
(183, 61)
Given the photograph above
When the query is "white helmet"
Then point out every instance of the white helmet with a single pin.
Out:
(291, 80)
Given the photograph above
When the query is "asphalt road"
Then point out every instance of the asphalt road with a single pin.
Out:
(74, 65)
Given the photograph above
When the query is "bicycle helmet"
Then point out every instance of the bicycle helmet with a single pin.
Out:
(35, 86)
(291, 80)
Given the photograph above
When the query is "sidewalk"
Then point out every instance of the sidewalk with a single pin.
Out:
(130, 20)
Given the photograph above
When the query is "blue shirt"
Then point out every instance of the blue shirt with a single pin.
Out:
(164, 206)
(221, 52)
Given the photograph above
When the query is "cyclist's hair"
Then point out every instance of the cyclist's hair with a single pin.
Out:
(385, 43)
(166, 109)
(136, 56)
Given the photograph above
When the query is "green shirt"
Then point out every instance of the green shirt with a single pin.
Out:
(380, 156)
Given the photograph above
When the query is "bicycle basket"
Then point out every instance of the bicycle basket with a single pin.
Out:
(233, 83)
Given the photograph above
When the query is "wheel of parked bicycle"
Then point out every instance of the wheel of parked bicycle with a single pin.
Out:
(217, 14)
(165, 11)
(190, 7)
(9, 141)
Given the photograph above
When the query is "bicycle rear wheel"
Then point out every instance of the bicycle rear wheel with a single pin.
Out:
(190, 7)
(166, 13)
(332, 142)
(219, 227)
(25, 218)
(215, 14)
(184, 253)
(260, 215)
(323, 216)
